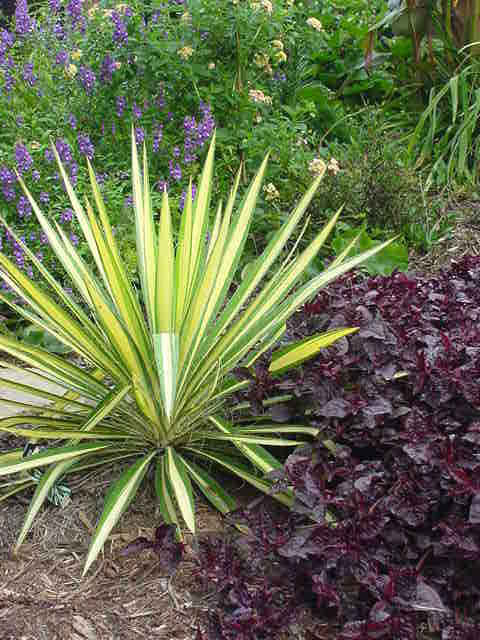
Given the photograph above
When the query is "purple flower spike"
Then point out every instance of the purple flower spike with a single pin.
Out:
(87, 79)
(72, 121)
(85, 146)
(22, 158)
(23, 23)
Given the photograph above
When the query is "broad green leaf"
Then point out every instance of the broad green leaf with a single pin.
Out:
(258, 456)
(279, 428)
(164, 493)
(49, 456)
(242, 472)
(210, 488)
(118, 498)
(182, 487)
(247, 439)
(165, 285)
(166, 355)
(294, 354)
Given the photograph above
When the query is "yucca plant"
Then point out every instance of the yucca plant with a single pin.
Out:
(159, 365)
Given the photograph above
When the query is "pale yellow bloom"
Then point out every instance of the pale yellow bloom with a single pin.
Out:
(256, 95)
(317, 167)
(34, 145)
(262, 4)
(71, 70)
(261, 60)
(121, 8)
(316, 24)
(185, 52)
(77, 54)
(211, 65)
(93, 10)
(108, 13)
(333, 166)
(118, 65)
(271, 192)
(277, 44)
(281, 56)
(258, 118)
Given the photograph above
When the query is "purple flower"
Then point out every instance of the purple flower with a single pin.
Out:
(157, 137)
(9, 192)
(7, 176)
(87, 79)
(9, 82)
(19, 121)
(61, 58)
(22, 158)
(43, 238)
(44, 197)
(85, 146)
(72, 121)
(139, 135)
(23, 207)
(66, 216)
(64, 151)
(29, 77)
(120, 34)
(175, 171)
(137, 113)
(74, 9)
(74, 239)
(54, 6)
(74, 173)
(176, 152)
(48, 155)
(107, 68)
(35, 175)
(121, 103)
(23, 22)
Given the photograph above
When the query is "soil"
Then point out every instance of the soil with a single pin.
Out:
(42, 593)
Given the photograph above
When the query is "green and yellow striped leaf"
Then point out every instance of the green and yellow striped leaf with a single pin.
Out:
(118, 498)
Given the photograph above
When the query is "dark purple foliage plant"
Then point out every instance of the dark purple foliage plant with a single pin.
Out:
(384, 535)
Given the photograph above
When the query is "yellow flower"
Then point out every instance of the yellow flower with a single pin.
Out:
(262, 4)
(211, 65)
(77, 54)
(71, 70)
(271, 192)
(118, 65)
(185, 52)
(108, 13)
(185, 17)
(333, 166)
(316, 24)
(281, 56)
(277, 44)
(93, 10)
(256, 95)
(317, 167)
(34, 145)
(261, 60)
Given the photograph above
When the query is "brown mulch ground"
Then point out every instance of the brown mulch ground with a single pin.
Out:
(42, 593)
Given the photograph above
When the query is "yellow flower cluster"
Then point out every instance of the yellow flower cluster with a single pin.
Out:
(317, 166)
(271, 192)
(263, 61)
(256, 95)
(262, 4)
(185, 52)
(280, 55)
(315, 24)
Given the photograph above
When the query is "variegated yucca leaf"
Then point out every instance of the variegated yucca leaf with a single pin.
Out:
(159, 365)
